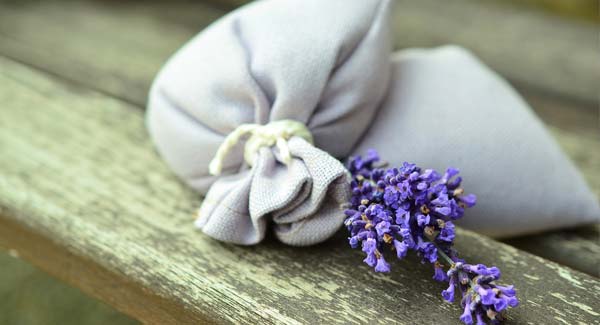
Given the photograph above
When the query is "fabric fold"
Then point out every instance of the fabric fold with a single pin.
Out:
(445, 108)
(324, 64)
(302, 199)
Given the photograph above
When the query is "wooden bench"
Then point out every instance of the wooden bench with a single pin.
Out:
(84, 197)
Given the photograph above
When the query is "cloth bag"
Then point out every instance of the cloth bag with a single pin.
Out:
(445, 108)
(327, 65)
(324, 64)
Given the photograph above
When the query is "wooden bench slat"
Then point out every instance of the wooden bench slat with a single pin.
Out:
(529, 47)
(576, 248)
(99, 55)
(115, 47)
(118, 47)
(124, 64)
(79, 177)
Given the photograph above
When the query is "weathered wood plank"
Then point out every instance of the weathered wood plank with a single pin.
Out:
(99, 55)
(79, 177)
(112, 287)
(562, 246)
(114, 47)
(531, 48)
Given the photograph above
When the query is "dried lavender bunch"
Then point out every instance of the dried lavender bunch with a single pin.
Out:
(407, 208)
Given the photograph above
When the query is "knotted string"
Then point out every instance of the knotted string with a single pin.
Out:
(275, 133)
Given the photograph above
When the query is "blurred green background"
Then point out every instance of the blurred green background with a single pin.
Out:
(577, 9)
(29, 296)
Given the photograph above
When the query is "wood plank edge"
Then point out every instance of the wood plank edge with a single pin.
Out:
(93, 279)
(65, 79)
(577, 248)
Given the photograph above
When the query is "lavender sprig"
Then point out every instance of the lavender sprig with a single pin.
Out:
(407, 208)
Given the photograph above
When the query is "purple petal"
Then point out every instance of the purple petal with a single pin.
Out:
(382, 265)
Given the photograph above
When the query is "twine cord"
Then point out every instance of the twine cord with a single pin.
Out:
(276, 133)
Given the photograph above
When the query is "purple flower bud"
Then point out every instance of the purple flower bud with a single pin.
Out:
(466, 316)
(413, 176)
(500, 304)
(351, 213)
(454, 183)
(372, 156)
(427, 250)
(448, 294)
(480, 320)
(447, 234)
(391, 196)
(481, 269)
(450, 172)
(369, 246)
(382, 265)
(401, 248)
(441, 200)
(507, 290)
(382, 228)
(513, 301)
(407, 168)
(422, 220)
(488, 297)
(353, 241)
(439, 274)
(371, 259)
(469, 200)
(445, 211)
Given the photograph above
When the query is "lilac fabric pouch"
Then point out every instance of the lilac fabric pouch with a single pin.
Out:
(445, 108)
(323, 64)
(256, 112)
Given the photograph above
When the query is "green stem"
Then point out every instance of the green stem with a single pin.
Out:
(445, 256)
(440, 252)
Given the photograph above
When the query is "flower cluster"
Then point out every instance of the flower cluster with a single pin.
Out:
(403, 208)
(408, 208)
(480, 296)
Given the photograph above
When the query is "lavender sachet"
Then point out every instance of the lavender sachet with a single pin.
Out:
(256, 112)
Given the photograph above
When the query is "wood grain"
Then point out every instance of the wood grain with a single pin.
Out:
(531, 48)
(99, 55)
(80, 178)
(577, 248)
(86, 44)
(114, 47)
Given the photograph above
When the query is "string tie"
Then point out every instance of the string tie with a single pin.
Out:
(276, 133)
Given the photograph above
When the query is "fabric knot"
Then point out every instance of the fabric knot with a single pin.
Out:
(268, 135)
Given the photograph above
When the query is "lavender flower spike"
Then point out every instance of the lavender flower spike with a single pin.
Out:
(407, 208)
(481, 296)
